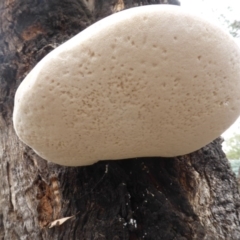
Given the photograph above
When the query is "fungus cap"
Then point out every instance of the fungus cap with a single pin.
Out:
(148, 81)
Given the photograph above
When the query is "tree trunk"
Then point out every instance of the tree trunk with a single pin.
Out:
(189, 197)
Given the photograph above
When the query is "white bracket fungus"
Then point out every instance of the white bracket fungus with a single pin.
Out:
(148, 81)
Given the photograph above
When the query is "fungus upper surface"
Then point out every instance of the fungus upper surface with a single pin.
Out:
(148, 81)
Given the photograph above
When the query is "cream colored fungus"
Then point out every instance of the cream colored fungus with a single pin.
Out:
(148, 81)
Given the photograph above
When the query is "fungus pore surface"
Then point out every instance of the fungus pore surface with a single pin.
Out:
(148, 81)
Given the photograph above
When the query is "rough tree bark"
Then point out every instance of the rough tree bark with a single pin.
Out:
(189, 197)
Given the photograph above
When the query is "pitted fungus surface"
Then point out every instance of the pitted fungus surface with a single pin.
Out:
(148, 81)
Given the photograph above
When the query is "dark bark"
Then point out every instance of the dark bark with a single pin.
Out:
(189, 197)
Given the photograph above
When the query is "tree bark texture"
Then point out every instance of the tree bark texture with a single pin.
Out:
(189, 197)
